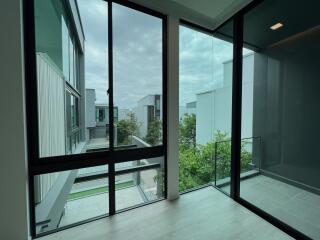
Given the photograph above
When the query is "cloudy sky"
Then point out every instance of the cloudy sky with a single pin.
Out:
(138, 56)
(137, 52)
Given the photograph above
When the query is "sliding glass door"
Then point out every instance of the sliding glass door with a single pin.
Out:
(280, 83)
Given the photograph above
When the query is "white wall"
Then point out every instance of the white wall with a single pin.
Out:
(204, 121)
(13, 168)
(141, 112)
(90, 108)
(52, 127)
(214, 108)
(51, 104)
(123, 114)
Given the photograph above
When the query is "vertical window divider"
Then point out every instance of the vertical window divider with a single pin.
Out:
(111, 166)
(31, 89)
(236, 106)
(164, 99)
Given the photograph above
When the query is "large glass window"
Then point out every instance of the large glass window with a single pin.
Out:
(58, 95)
(137, 77)
(139, 186)
(280, 96)
(65, 49)
(68, 197)
(205, 91)
(73, 92)
(71, 58)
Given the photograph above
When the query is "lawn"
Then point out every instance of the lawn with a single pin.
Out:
(94, 191)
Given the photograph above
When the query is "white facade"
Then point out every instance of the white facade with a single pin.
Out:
(142, 112)
(90, 108)
(123, 114)
(189, 108)
(214, 107)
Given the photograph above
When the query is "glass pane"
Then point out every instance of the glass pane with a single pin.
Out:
(205, 94)
(139, 187)
(69, 89)
(94, 17)
(68, 197)
(65, 49)
(137, 43)
(280, 96)
(71, 58)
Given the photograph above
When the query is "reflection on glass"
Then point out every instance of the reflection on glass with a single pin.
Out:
(205, 90)
(281, 92)
(68, 197)
(140, 186)
(69, 89)
(137, 42)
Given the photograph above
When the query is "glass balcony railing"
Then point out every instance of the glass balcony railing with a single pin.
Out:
(250, 161)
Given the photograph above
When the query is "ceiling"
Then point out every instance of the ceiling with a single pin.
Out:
(300, 17)
(207, 13)
(210, 8)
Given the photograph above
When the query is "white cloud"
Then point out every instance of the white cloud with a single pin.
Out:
(138, 55)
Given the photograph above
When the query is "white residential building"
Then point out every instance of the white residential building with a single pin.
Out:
(214, 107)
(189, 108)
(148, 109)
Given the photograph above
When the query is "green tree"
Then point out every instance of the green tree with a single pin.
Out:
(154, 135)
(187, 130)
(126, 128)
(197, 162)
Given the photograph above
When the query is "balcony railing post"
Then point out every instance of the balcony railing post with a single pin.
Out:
(215, 163)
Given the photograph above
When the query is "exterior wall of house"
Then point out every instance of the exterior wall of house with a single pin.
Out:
(51, 190)
(90, 108)
(51, 104)
(214, 107)
(123, 114)
(142, 111)
(189, 108)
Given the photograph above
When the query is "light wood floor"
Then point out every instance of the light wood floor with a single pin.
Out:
(202, 214)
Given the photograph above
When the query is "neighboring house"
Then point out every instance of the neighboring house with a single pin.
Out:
(123, 114)
(90, 119)
(190, 108)
(214, 107)
(59, 51)
(97, 118)
(148, 109)
(102, 114)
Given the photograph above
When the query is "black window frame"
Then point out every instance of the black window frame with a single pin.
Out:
(41, 165)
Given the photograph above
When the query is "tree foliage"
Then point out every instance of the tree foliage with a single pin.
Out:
(197, 162)
(126, 128)
(154, 135)
(187, 130)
